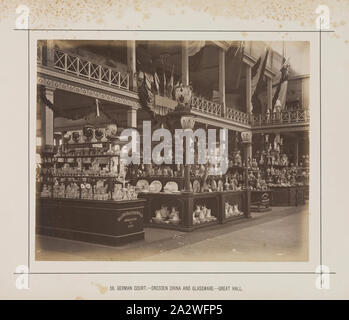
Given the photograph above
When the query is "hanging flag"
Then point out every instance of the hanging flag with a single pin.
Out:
(156, 83)
(173, 91)
(144, 92)
(281, 81)
(233, 66)
(170, 84)
(164, 79)
(257, 75)
(257, 72)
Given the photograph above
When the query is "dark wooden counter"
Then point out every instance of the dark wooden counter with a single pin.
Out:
(104, 222)
(288, 196)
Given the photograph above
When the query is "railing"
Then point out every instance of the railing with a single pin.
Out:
(237, 116)
(89, 70)
(206, 106)
(283, 117)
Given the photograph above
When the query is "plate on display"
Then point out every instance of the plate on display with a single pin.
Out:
(142, 185)
(155, 186)
(171, 186)
(196, 186)
(214, 185)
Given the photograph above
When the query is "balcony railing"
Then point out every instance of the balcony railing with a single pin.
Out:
(283, 117)
(206, 106)
(237, 116)
(89, 70)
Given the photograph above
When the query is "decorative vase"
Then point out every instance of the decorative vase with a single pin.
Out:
(183, 94)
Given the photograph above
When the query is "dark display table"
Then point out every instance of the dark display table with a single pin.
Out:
(287, 196)
(239, 198)
(104, 222)
(261, 200)
(187, 203)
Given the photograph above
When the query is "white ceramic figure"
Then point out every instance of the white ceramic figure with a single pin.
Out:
(236, 210)
(174, 215)
(158, 215)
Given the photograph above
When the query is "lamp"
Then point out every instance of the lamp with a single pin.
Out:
(183, 94)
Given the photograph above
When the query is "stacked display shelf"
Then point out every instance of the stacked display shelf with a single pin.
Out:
(106, 222)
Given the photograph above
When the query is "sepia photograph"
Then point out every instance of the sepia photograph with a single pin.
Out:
(174, 156)
(163, 150)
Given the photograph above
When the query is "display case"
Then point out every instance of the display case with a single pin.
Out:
(98, 221)
(182, 211)
(234, 205)
(187, 211)
(82, 191)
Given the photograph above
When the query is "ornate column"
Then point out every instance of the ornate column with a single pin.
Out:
(47, 118)
(183, 96)
(187, 123)
(248, 90)
(49, 53)
(222, 79)
(246, 138)
(185, 64)
(132, 118)
(296, 151)
(131, 63)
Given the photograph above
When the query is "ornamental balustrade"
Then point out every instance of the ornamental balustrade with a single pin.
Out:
(206, 106)
(86, 69)
(237, 116)
(282, 117)
(83, 68)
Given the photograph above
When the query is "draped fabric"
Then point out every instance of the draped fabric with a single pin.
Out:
(233, 66)
(194, 47)
(280, 82)
(257, 72)
(104, 56)
(257, 75)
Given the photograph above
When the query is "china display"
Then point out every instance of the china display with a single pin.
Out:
(83, 193)
(87, 166)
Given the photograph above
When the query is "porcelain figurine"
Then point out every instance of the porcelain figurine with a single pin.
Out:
(208, 214)
(226, 209)
(174, 215)
(202, 215)
(227, 184)
(195, 219)
(164, 212)
(117, 194)
(236, 210)
(237, 159)
(158, 215)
